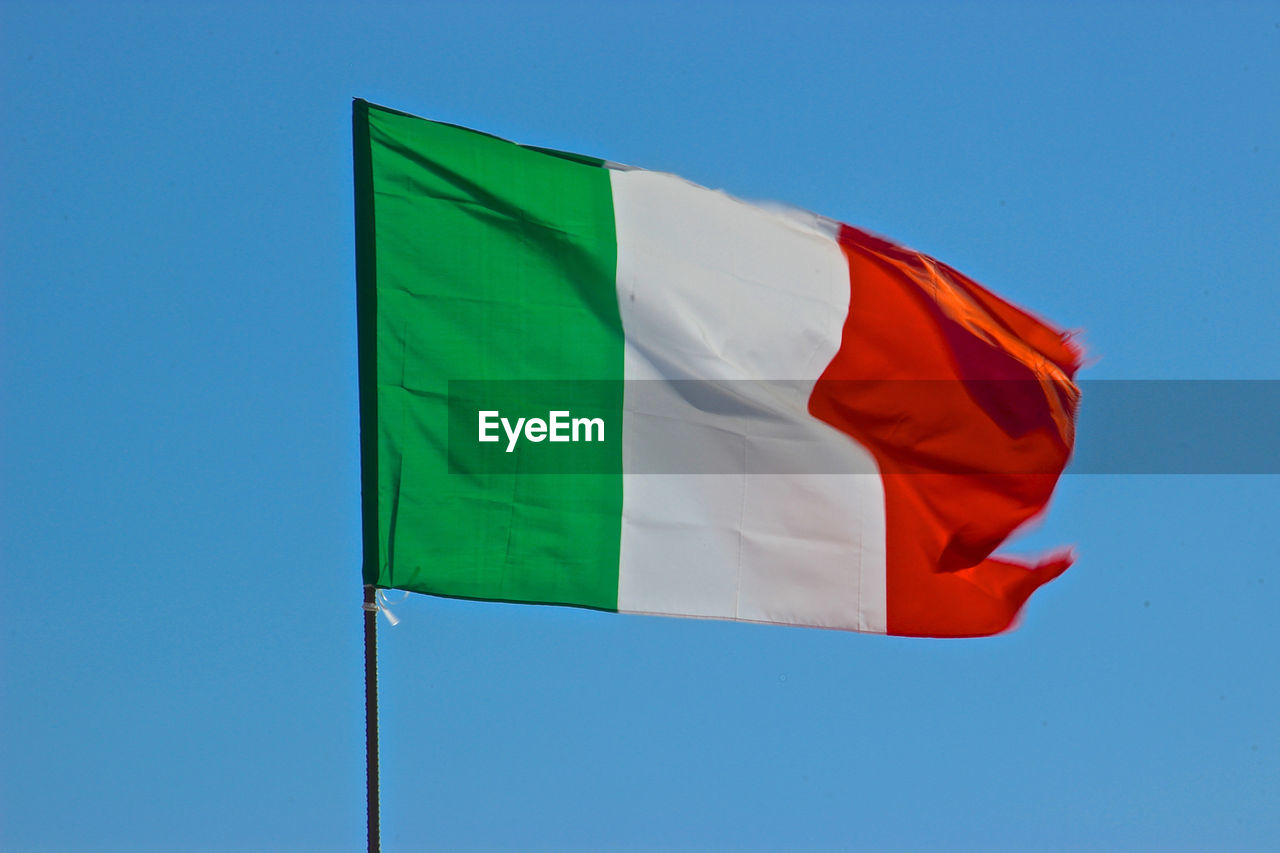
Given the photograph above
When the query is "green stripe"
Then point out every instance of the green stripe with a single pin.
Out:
(493, 263)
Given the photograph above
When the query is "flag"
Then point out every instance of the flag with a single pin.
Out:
(593, 385)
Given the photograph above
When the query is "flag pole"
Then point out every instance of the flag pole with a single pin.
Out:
(371, 710)
(366, 338)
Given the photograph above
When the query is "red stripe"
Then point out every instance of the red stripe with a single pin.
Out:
(967, 403)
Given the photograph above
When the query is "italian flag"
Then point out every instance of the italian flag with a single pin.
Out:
(801, 423)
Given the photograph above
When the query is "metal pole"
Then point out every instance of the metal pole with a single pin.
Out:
(371, 711)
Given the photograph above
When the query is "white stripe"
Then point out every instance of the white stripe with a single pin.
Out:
(711, 288)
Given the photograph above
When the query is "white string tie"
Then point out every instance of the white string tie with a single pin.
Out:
(381, 602)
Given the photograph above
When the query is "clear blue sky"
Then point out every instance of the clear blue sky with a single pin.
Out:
(180, 632)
